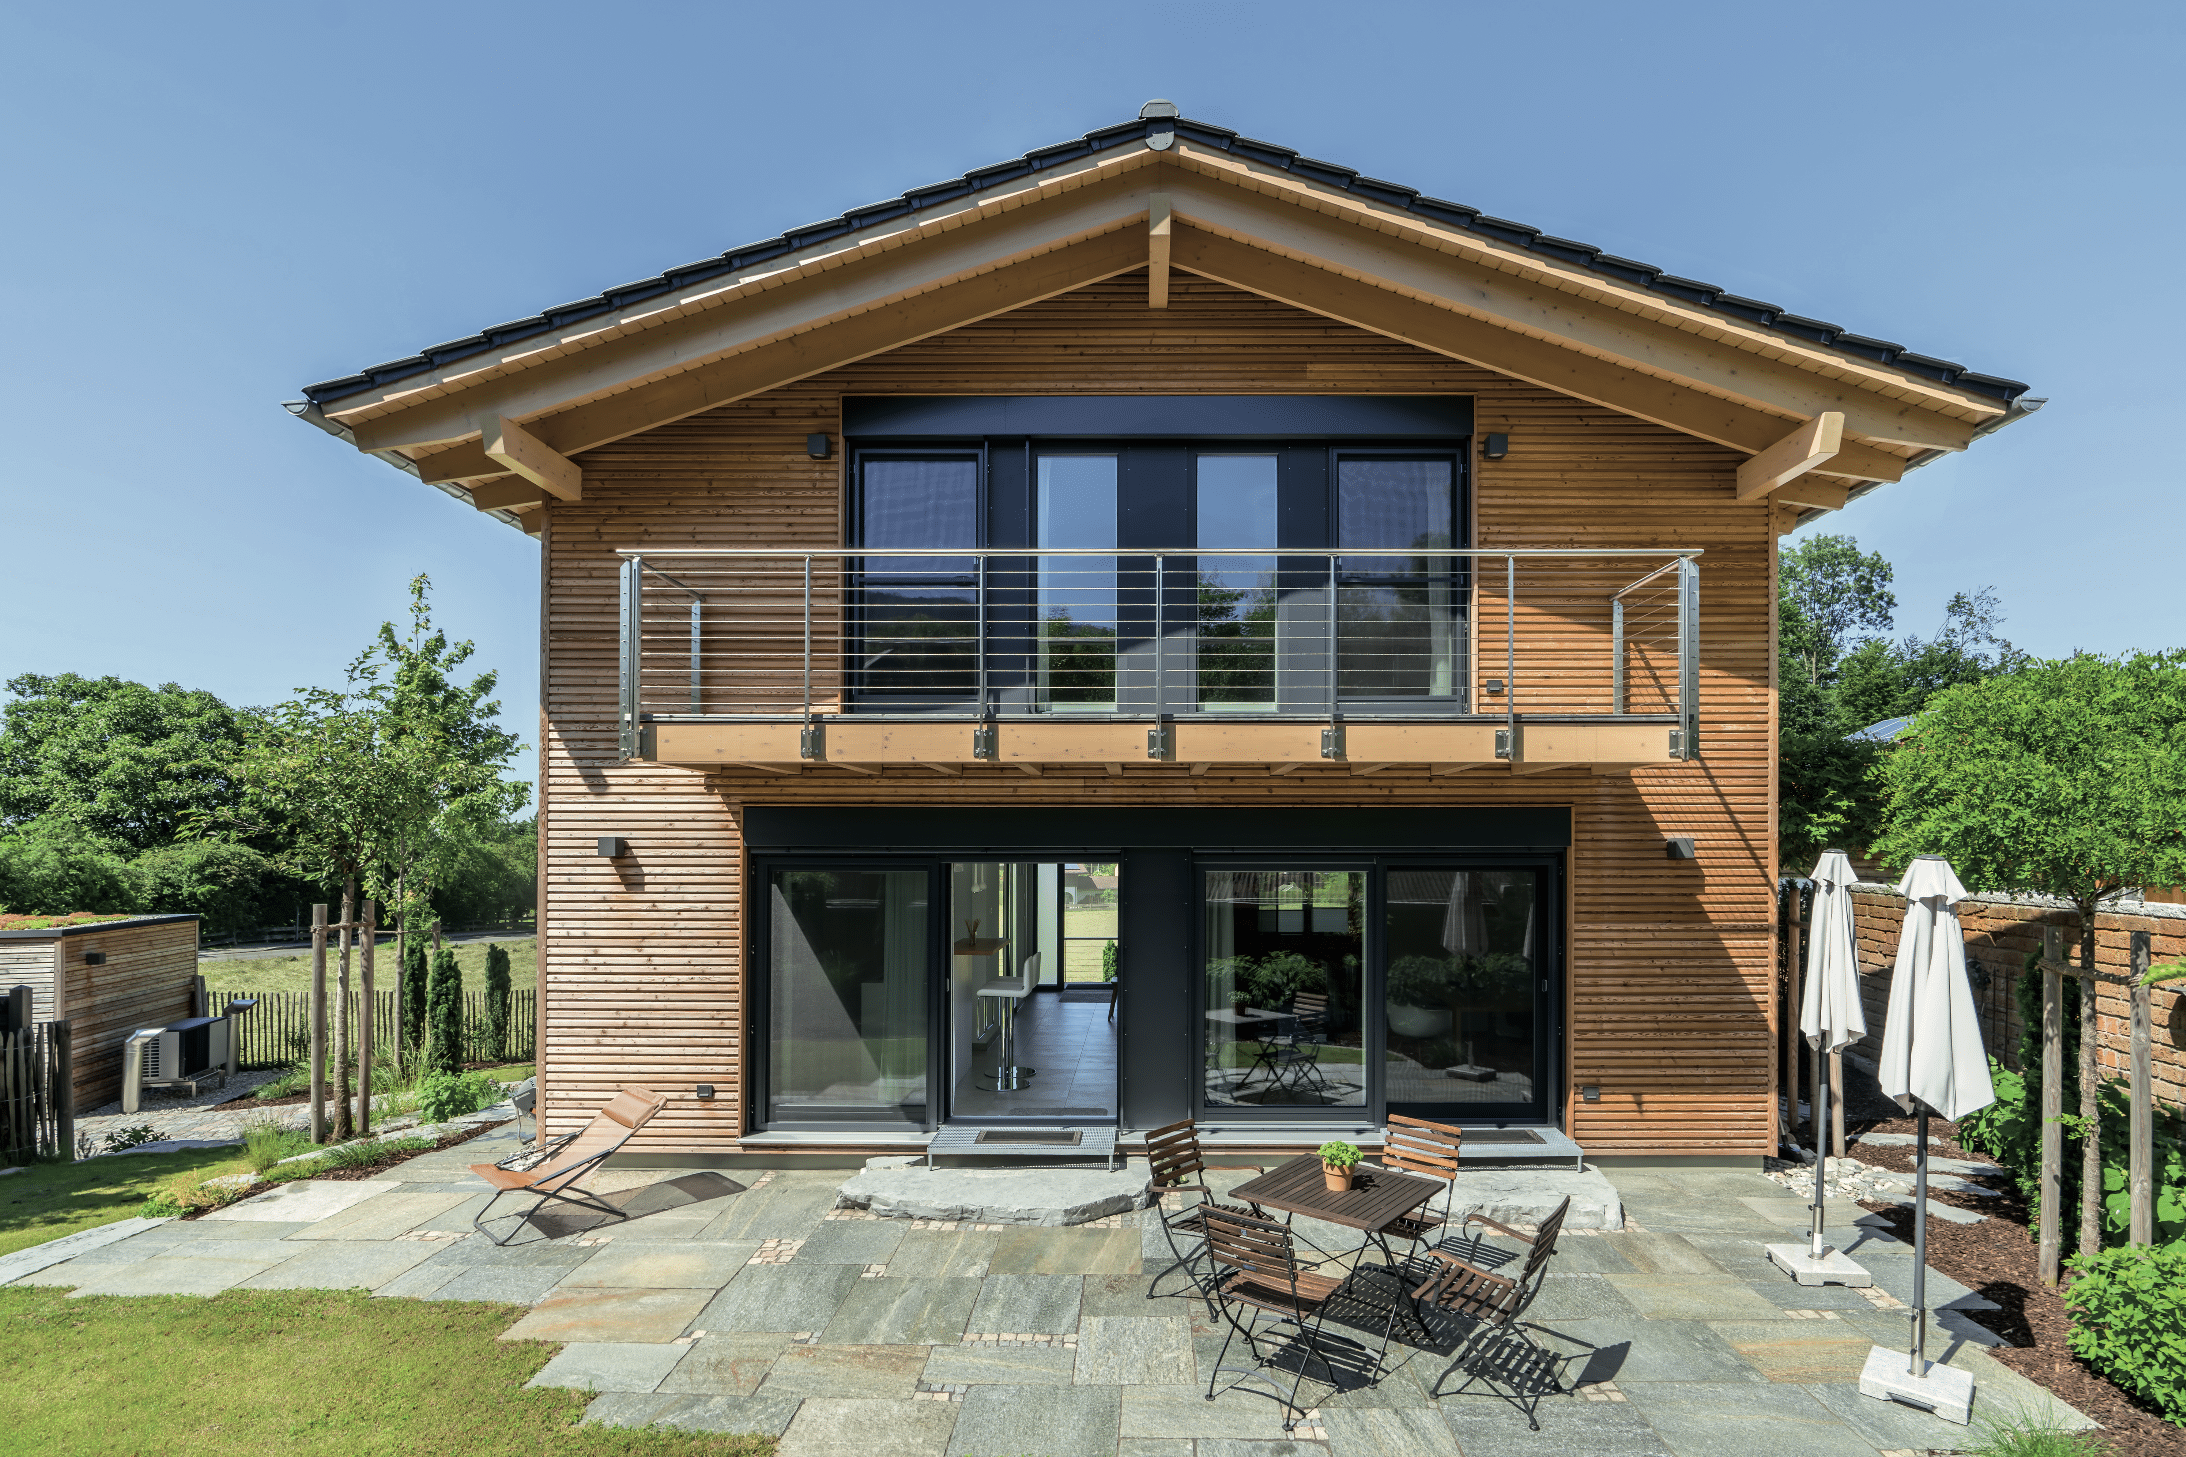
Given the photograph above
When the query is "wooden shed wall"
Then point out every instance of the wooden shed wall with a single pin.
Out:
(29, 963)
(1671, 963)
(148, 980)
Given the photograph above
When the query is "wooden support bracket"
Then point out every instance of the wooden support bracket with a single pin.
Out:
(1819, 439)
(512, 447)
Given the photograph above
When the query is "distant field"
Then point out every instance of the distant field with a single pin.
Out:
(293, 973)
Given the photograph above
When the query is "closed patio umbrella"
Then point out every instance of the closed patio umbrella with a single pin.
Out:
(1932, 1059)
(1830, 1019)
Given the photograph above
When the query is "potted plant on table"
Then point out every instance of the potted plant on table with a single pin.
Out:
(1337, 1161)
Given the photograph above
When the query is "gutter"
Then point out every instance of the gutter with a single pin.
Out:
(310, 413)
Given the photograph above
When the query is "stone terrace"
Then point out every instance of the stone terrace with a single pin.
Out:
(769, 1310)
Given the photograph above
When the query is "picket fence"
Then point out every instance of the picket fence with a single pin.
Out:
(37, 1106)
(277, 1032)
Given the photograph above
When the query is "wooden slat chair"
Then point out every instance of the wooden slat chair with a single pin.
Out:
(1416, 1146)
(1177, 1166)
(555, 1168)
(1494, 1303)
(1260, 1285)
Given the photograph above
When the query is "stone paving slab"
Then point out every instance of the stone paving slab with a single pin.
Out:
(1738, 1419)
(609, 1316)
(1683, 1297)
(780, 1298)
(1802, 1352)
(944, 1254)
(70, 1246)
(836, 1427)
(1570, 1427)
(1079, 1421)
(688, 1265)
(341, 1267)
(305, 1200)
(174, 1275)
(1028, 1304)
(609, 1366)
(763, 1415)
(1001, 1364)
(853, 1242)
(1126, 1350)
(381, 1217)
(1639, 1350)
(892, 1312)
(728, 1363)
(847, 1370)
(1066, 1252)
(515, 1284)
(1389, 1431)
(1179, 1411)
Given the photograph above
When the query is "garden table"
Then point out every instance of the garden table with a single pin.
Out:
(1376, 1197)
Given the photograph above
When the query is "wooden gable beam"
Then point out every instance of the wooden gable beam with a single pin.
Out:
(1817, 440)
(512, 447)
(1159, 225)
(1709, 417)
(505, 493)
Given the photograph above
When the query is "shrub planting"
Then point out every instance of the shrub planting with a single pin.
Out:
(2128, 1309)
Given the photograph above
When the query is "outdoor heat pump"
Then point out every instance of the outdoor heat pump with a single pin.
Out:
(176, 1055)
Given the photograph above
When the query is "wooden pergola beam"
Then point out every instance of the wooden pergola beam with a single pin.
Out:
(1819, 439)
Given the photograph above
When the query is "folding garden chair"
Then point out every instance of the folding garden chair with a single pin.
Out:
(1261, 1285)
(1292, 1054)
(1494, 1303)
(1173, 1156)
(1416, 1146)
(555, 1168)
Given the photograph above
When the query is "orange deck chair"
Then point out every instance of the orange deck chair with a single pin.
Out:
(554, 1169)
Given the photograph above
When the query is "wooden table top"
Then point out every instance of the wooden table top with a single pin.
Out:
(1377, 1195)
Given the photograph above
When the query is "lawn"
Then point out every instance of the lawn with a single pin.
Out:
(46, 1201)
(293, 1372)
(293, 973)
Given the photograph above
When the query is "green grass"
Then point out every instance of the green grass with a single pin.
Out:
(2025, 1436)
(293, 973)
(46, 1201)
(294, 1373)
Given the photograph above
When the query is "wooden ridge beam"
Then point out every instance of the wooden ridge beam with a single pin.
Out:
(1160, 225)
(1385, 312)
(1819, 439)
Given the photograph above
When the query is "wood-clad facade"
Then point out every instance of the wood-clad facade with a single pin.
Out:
(1670, 1006)
(700, 732)
(147, 977)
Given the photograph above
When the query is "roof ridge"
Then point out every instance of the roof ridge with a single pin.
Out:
(1452, 214)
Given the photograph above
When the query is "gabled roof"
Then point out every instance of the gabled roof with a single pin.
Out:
(1327, 174)
(1823, 415)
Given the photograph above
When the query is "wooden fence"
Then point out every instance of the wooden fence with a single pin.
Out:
(277, 1032)
(37, 1112)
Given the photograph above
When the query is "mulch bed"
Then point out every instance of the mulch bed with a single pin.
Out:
(389, 1160)
(1997, 1259)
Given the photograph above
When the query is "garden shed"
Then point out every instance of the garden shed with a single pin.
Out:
(106, 979)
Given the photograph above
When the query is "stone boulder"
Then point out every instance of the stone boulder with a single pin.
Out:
(897, 1188)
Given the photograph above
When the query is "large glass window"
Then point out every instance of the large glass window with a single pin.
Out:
(915, 618)
(1401, 614)
(1284, 956)
(847, 1007)
(1464, 968)
(1234, 629)
(1077, 608)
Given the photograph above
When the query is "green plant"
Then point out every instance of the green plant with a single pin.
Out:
(1422, 981)
(441, 1096)
(444, 1014)
(413, 991)
(1108, 961)
(2024, 1435)
(2164, 972)
(130, 1137)
(497, 1001)
(2128, 1310)
(1338, 1154)
(266, 1143)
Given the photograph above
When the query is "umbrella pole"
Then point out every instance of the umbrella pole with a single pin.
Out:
(1821, 1157)
(1920, 1241)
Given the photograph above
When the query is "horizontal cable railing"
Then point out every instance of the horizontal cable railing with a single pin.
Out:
(1368, 633)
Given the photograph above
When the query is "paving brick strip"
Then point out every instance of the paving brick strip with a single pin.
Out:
(737, 1305)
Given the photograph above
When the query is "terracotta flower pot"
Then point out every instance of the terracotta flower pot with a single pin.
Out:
(1337, 1177)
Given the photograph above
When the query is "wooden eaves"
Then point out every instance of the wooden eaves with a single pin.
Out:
(1183, 207)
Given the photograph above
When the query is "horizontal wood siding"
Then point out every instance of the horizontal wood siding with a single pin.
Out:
(147, 981)
(1671, 1008)
(29, 963)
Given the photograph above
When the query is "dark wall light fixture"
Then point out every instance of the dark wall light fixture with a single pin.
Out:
(818, 446)
(1494, 447)
(705, 1090)
(1680, 848)
(613, 847)
(1590, 1094)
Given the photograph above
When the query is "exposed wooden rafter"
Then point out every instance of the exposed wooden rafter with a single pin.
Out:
(1817, 440)
(1159, 226)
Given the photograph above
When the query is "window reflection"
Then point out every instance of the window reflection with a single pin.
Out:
(1077, 630)
(1282, 974)
(1235, 600)
(1401, 615)
(1459, 996)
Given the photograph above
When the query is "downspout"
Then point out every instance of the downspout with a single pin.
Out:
(311, 414)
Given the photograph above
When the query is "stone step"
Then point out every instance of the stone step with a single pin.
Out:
(894, 1187)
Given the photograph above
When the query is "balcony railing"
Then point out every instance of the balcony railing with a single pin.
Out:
(1503, 637)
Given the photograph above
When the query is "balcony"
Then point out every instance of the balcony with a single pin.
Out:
(1532, 659)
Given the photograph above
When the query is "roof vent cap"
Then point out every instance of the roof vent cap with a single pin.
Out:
(1156, 108)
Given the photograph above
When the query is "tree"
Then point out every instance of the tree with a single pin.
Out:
(444, 1014)
(220, 880)
(53, 866)
(412, 959)
(128, 763)
(2064, 779)
(497, 1001)
(1836, 591)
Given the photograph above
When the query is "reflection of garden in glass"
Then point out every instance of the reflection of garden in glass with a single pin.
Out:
(1459, 996)
(848, 1005)
(1277, 944)
(1234, 597)
(1077, 606)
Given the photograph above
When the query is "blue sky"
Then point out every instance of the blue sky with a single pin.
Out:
(210, 206)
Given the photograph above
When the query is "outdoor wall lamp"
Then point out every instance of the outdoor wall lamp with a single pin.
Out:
(817, 446)
(1680, 848)
(1590, 1094)
(705, 1090)
(1492, 686)
(613, 847)
(1495, 447)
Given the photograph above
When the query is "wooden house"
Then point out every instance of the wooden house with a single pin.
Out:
(1354, 607)
(106, 979)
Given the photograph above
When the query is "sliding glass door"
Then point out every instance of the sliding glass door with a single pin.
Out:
(849, 995)
(1464, 994)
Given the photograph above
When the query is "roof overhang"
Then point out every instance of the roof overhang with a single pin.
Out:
(502, 424)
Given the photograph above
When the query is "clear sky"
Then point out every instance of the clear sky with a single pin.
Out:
(208, 206)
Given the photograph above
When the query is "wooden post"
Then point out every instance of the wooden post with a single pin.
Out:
(64, 1090)
(2140, 1137)
(402, 946)
(432, 964)
(2091, 1081)
(318, 1024)
(369, 932)
(343, 1088)
(2053, 1104)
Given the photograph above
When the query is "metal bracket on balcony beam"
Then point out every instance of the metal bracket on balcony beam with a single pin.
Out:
(1684, 744)
(1506, 741)
(983, 741)
(812, 741)
(1332, 742)
(1161, 740)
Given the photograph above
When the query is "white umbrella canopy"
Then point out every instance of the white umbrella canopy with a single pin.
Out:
(1931, 1043)
(1830, 1017)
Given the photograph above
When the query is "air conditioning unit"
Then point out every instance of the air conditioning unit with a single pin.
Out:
(175, 1055)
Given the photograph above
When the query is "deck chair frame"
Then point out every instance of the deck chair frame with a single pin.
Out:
(556, 1182)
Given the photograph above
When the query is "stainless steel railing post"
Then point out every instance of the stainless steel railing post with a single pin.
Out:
(632, 621)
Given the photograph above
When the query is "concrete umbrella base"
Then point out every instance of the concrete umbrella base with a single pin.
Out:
(1944, 1390)
(1834, 1267)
